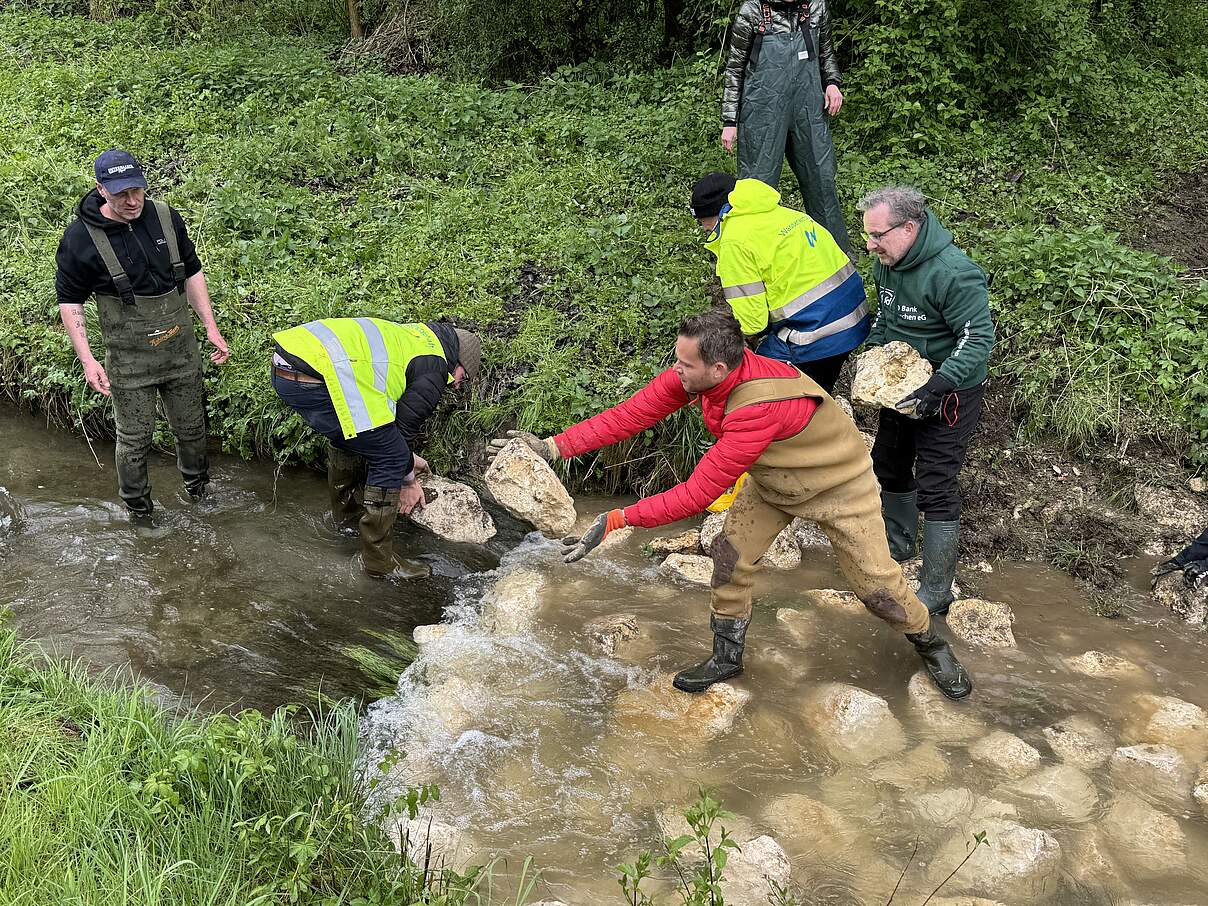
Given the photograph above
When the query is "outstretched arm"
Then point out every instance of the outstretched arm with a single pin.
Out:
(649, 406)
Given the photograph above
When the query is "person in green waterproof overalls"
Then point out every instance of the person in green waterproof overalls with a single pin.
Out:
(782, 82)
(135, 256)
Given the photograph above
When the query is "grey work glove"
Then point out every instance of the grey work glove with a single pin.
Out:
(543, 447)
(577, 548)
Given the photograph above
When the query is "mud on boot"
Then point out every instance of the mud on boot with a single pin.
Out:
(729, 637)
(944, 669)
(377, 530)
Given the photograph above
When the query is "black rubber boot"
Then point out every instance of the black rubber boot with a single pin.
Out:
(729, 637)
(198, 488)
(901, 514)
(945, 670)
(141, 507)
(941, 544)
(377, 530)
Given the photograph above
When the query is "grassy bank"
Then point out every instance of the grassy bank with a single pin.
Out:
(551, 216)
(109, 799)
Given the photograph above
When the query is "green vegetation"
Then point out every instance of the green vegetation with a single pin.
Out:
(550, 212)
(110, 799)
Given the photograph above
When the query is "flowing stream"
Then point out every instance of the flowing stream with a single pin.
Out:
(543, 745)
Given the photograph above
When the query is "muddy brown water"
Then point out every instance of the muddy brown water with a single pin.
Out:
(251, 600)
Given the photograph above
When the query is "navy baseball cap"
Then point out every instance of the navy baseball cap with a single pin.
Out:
(118, 171)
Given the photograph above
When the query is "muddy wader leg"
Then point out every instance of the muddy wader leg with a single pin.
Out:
(185, 406)
(901, 514)
(346, 473)
(134, 418)
(851, 517)
(751, 526)
(377, 530)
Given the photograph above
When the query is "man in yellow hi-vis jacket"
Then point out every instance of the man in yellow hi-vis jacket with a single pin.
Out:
(368, 385)
(785, 277)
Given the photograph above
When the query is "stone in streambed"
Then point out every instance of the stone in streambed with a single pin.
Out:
(1147, 843)
(1005, 754)
(454, 513)
(662, 712)
(1158, 774)
(1017, 864)
(984, 624)
(943, 720)
(1188, 604)
(689, 567)
(1058, 794)
(1080, 741)
(1166, 720)
(512, 605)
(524, 484)
(608, 632)
(685, 543)
(886, 374)
(852, 724)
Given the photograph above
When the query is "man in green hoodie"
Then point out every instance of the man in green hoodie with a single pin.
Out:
(932, 296)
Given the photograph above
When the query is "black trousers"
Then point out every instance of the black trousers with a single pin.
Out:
(928, 453)
(824, 372)
(1196, 550)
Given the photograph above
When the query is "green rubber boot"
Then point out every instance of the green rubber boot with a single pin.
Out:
(941, 544)
(901, 514)
(729, 638)
(346, 474)
(377, 530)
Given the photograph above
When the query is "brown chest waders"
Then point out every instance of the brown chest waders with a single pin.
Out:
(151, 354)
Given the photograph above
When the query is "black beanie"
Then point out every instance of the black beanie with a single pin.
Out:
(710, 194)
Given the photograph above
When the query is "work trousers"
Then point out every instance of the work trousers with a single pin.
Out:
(928, 453)
(850, 514)
(134, 413)
(1196, 550)
(825, 372)
(384, 449)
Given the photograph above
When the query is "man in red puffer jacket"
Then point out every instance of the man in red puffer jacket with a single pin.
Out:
(804, 457)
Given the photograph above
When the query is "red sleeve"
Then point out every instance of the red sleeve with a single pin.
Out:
(649, 406)
(746, 433)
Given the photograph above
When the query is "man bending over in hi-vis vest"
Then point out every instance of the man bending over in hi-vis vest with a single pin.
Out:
(368, 386)
(804, 457)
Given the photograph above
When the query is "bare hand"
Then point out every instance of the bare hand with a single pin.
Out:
(411, 497)
(729, 135)
(834, 99)
(221, 353)
(94, 374)
(421, 465)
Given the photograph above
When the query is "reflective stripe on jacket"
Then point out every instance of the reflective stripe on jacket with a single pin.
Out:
(363, 362)
(784, 273)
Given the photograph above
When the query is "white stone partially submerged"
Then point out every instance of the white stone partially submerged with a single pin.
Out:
(1058, 794)
(609, 632)
(454, 513)
(1018, 865)
(524, 484)
(1170, 721)
(1100, 664)
(986, 624)
(1200, 791)
(1147, 843)
(944, 721)
(853, 725)
(1005, 754)
(1188, 604)
(1156, 773)
(512, 605)
(427, 841)
(691, 568)
(886, 374)
(754, 871)
(660, 712)
(683, 543)
(1080, 741)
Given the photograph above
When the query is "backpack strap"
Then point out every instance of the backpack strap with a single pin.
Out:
(165, 224)
(121, 281)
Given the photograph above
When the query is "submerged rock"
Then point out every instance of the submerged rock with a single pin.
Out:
(663, 712)
(912, 770)
(1200, 791)
(426, 635)
(1018, 865)
(852, 724)
(834, 599)
(1059, 794)
(1101, 664)
(801, 624)
(886, 374)
(1188, 604)
(944, 721)
(512, 605)
(986, 624)
(455, 513)
(1153, 772)
(945, 808)
(524, 485)
(754, 871)
(608, 632)
(428, 841)
(1165, 720)
(689, 567)
(1147, 843)
(1005, 754)
(809, 826)
(1090, 863)
(685, 543)
(1080, 741)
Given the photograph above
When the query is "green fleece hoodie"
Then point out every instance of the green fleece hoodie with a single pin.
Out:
(935, 299)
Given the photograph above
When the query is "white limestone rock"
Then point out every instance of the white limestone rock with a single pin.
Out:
(689, 568)
(809, 826)
(985, 624)
(943, 721)
(855, 726)
(710, 529)
(683, 543)
(886, 374)
(754, 871)
(1188, 604)
(1005, 754)
(1078, 740)
(1175, 513)
(453, 512)
(1148, 844)
(1170, 721)
(1058, 794)
(834, 599)
(801, 624)
(426, 635)
(1158, 774)
(608, 632)
(512, 605)
(809, 534)
(524, 484)
(959, 806)
(450, 846)
(662, 712)
(913, 769)
(1200, 791)
(845, 404)
(1017, 865)
(1099, 664)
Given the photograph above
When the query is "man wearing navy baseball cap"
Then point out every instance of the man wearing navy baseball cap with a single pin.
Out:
(134, 255)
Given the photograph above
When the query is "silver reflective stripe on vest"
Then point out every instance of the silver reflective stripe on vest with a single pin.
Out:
(343, 368)
(805, 337)
(744, 289)
(381, 360)
(810, 296)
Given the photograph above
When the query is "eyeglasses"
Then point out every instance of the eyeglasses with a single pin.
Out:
(877, 237)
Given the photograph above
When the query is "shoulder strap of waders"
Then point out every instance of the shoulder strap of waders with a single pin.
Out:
(772, 390)
(121, 282)
(165, 223)
(765, 19)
